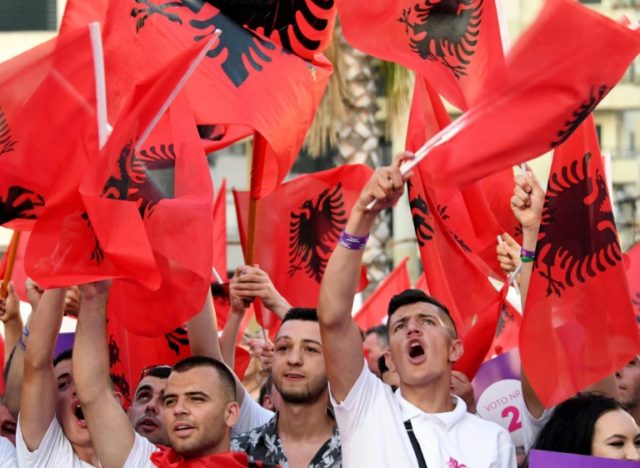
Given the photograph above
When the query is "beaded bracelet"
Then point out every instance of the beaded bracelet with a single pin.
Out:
(351, 242)
(527, 256)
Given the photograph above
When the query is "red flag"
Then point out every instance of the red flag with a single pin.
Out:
(19, 274)
(48, 91)
(477, 341)
(375, 308)
(455, 44)
(220, 231)
(297, 228)
(422, 285)
(579, 324)
(559, 70)
(76, 239)
(632, 263)
(78, 13)
(246, 79)
(221, 291)
(451, 225)
(507, 330)
(303, 27)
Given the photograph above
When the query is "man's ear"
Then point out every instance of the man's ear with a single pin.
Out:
(231, 414)
(119, 398)
(388, 360)
(456, 350)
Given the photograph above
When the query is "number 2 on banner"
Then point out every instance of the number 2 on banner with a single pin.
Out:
(515, 423)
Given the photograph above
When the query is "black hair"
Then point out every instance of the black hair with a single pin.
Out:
(306, 314)
(380, 331)
(159, 372)
(227, 379)
(382, 365)
(63, 356)
(411, 296)
(571, 426)
(265, 390)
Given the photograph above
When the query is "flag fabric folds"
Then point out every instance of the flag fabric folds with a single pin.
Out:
(558, 72)
(297, 228)
(454, 44)
(47, 123)
(245, 79)
(578, 324)
(374, 310)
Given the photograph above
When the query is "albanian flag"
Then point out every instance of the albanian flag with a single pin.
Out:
(47, 123)
(303, 27)
(632, 263)
(245, 79)
(477, 213)
(297, 228)
(579, 324)
(454, 43)
(558, 72)
(374, 310)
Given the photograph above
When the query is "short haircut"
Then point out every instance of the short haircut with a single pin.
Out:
(412, 296)
(306, 314)
(265, 390)
(382, 365)
(63, 356)
(160, 371)
(227, 380)
(572, 424)
(380, 331)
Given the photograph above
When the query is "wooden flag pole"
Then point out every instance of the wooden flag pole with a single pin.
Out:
(259, 144)
(11, 259)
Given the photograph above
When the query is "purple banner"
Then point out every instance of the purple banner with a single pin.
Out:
(65, 342)
(498, 394)
(543, 459)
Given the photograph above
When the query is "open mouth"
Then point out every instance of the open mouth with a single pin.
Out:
(78, 413)
(182, 428)
(149, 424)
(415, 350)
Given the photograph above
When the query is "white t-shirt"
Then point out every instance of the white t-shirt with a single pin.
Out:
(54, 451)
(252, 415)
(531, 426)
(371, 422)
(8, 457)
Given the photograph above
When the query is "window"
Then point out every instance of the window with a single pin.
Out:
(28, 15)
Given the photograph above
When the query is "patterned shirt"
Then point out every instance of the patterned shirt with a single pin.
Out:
(263, 444)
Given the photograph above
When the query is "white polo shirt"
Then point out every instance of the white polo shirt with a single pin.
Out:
(371, 422)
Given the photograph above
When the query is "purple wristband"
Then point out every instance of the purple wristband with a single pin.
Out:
(352, 242)
(527, 255)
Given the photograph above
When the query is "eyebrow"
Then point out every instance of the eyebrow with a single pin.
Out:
(305, 340)
(143, 388)
(618, 436)
(404, 318)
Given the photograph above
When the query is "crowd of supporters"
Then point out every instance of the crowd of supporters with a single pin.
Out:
(334, 395)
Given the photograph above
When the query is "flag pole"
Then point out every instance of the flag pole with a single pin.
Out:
(259, 144)
(11, 259)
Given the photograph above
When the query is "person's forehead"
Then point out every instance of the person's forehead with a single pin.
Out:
(156, 383)
(299, 330)
(415, 309)
(199, 379)
(373, 340)
(63, 367)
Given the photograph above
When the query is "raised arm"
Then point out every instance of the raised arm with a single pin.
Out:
(526, 204)
(15, 362)
(341, 340)
(110, 429)
(11, 319)
(38, 392)
(251, 282)
(204, 340)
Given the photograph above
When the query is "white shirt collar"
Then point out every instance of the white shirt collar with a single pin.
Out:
(447, 419)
